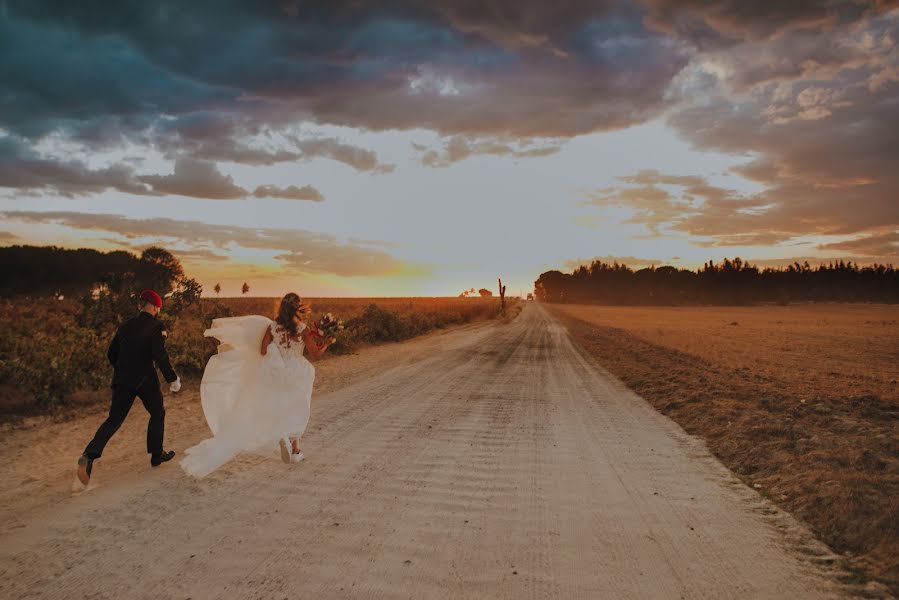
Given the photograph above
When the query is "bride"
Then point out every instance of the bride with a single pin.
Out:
(256, 391)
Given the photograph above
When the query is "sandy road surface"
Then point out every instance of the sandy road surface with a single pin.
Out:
(489, 462)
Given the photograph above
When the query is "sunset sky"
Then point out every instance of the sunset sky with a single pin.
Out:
(422, 148)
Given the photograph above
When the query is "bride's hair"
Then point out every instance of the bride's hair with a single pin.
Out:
(289, 305)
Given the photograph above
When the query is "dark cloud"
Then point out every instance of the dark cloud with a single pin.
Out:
(828, 165)
(198, 179)
(221, 136)
(301, 251)
(815, 109)
(527, 24)
(458, 67)
(723, 22)
(23, 169)
(879, 244)
(209, 82)
(53, 75)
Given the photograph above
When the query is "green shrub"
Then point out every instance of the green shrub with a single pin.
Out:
(51, 359)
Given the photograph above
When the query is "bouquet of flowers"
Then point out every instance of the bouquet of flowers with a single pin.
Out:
(327, 326)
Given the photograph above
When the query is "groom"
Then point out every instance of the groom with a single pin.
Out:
(138, 343)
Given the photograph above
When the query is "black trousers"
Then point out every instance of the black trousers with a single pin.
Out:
(122, 399)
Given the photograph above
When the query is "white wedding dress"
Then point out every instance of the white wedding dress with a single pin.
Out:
(250, 401)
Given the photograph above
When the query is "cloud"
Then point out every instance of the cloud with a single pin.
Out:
(358, 158)
(882, 245)
(723, 22)
(292, 192)
(460, 147)
(197, 179)
(299, 250)
(24, 169)
(202, 179)
(252, 139)
(810, 107)
(807, 91)
(658, 208)
(831, 175)
(654, 206)
(450, 66)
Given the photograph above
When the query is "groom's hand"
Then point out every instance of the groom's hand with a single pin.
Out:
(175, 386)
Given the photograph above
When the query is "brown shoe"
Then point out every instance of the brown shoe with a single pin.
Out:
(85, 466)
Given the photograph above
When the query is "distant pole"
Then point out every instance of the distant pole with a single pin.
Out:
(502, 296)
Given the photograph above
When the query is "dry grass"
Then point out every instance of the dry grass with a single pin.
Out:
(801, 401)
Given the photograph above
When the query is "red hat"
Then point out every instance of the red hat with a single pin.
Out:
(151, 297)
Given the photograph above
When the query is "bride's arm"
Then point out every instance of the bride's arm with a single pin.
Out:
(316, 350)
(266, 340)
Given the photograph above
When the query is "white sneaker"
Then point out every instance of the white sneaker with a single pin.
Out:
(285, 450)
(298, 457)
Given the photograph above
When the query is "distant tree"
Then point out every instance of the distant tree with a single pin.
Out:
(218, 289)
(245, 288)
(485, 293)
(158, 270)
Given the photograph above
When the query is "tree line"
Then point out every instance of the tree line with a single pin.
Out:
(48, 270)
(731, 282)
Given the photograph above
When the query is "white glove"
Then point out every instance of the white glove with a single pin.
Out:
(175, 386)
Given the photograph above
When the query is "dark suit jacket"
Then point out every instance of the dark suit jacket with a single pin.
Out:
(137, 344)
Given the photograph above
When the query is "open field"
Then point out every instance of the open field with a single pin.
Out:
(801, 401)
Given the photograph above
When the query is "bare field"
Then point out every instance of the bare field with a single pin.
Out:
(801, 401)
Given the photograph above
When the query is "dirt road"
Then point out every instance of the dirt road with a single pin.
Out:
(494, 461)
